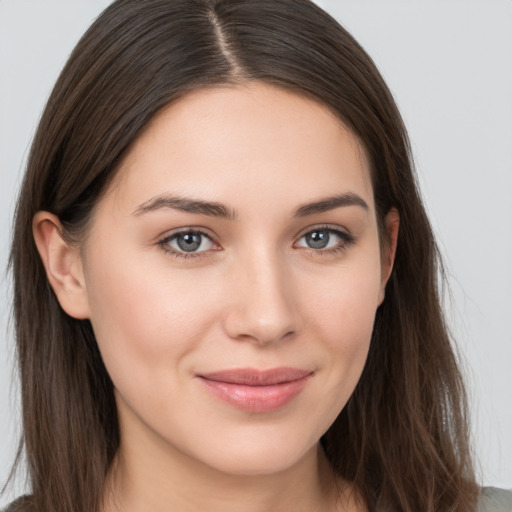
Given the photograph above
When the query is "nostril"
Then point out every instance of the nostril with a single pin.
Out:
(246, 325)
(262, 308)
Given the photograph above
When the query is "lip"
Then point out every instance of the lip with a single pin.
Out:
(255, 390)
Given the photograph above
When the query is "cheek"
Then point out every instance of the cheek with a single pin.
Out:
(344, 303)
(146, 321)
(342, 316)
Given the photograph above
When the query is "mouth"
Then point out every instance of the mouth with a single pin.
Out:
(256, 390)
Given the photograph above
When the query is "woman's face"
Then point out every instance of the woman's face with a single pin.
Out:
(232, 273)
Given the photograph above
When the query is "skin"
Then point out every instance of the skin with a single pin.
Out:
(254, 295)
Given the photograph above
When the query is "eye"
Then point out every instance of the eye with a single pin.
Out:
(187, 243)
(324, 238)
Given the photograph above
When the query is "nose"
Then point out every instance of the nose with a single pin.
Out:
(261, 307)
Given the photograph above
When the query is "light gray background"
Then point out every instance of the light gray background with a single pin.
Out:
(449, 64)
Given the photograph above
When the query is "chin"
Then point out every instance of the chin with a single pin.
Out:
(259, 464)
(256, 456)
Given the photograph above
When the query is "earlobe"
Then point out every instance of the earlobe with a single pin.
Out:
(391, 225)
(63, 265)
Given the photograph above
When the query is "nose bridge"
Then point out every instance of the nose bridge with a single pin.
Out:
(262, 307)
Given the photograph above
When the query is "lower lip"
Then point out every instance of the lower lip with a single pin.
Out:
(256, 398)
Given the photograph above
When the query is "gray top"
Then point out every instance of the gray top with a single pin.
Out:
(495, 500)
(492, 499)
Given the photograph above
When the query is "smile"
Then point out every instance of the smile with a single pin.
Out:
(255, 390)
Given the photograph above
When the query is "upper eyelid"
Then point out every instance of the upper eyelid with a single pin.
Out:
(327, 227)
(206, 232)
(164, 243)
(178, 231)
(346, 237)
(165, 239)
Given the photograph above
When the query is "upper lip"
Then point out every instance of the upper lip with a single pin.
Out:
(255, 377)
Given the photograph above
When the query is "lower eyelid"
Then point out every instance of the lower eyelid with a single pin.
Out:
(165, 243)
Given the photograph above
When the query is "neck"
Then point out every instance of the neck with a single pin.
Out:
(151, 474)
(144, 480)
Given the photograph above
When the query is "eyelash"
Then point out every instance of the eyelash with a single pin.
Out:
(164, 244)
(346, 238)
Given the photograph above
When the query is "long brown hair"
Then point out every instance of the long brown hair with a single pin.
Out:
(402, 439)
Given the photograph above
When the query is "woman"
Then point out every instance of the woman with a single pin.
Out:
(225, 281)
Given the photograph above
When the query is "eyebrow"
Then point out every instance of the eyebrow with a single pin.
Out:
(331, 203)
(212, 209)
(215, 209)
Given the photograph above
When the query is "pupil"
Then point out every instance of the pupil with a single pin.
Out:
(189, 242)
(317, 239)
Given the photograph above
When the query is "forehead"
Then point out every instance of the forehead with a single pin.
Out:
(241, 141)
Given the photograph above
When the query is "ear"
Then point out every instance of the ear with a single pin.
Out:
(63, 265)
(391, 225)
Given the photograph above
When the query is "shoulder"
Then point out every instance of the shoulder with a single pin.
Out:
(23, 504)
(493, 499)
